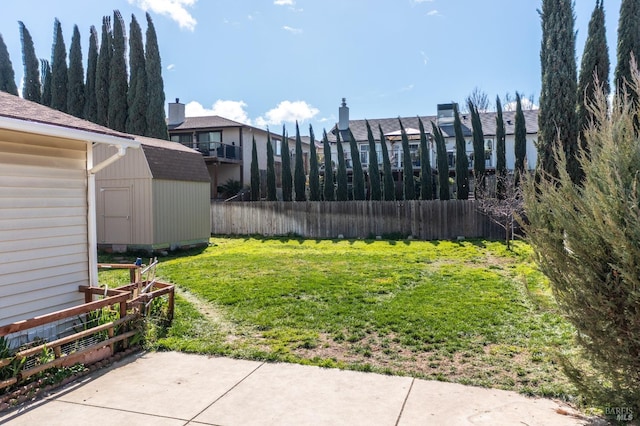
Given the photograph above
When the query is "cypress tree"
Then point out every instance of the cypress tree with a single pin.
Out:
(557, 119)
(389, 185)
(314, 177)
(287, 184)
(374, 172)
(7, 75)
(102, 73)
(255, 172)
(628, 45)
(407, 166)
(442, 162)
(45, 77)
(501, 154)
(137, 99)
(479, 168)
(520, 140)
(76, 95)
(342, 193)
(329, 186)
(594, 70)
(91, 112)
(358, 174)
(299, 177)
(426, 183)
(157, 125)
(272, 193)
(118, 107)
(462, 162)
(59, 70)
(31, 89)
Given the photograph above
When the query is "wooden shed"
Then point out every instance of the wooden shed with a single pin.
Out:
(154, 199)
(47, 209)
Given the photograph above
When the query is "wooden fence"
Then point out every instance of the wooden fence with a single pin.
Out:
(424, 220)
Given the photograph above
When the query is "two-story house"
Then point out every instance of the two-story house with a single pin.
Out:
(226, 146)
(444, 120)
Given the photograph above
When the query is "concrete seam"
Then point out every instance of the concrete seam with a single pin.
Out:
(405, 401)
(227, 392)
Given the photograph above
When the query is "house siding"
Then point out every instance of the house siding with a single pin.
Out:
(43, 224)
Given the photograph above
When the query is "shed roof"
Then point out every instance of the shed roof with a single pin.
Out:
(15, 107)
(173, 161)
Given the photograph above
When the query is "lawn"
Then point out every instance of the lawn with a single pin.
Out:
(469, 312)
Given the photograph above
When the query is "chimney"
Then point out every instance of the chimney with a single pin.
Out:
(343, 116)
(176, 113)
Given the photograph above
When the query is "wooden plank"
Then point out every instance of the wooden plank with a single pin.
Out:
(65, 313)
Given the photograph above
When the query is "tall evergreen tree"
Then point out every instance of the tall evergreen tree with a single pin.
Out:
(557, 119)
(375, 188)
(137, 96)
(76, 96)
(255, 172)
(287, 179)
(389, 185)
(442, 162)
(59, 70)
(407, 166)
(45, 78)
(157, 125)
(359, 192)
(342, 193)
(7, 75)
(272, 193)
(328, 190)
(31, 89)
(314, 177)
(520, 140)
(91, 112)
(501, 153)
(426, 182)
(594, 70)
(102, 73)
(118, 110)
(299, 177)
(462, 162)
(479, 167)
(628, 45)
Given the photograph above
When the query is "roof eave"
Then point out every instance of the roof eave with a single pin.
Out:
(66, 132)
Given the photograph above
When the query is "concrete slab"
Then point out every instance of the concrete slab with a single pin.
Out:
(168, 384)
(288, 394)
(56, 413)
(453, 404)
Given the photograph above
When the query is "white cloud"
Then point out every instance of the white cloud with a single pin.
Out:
(433, 12)
(425, 58)
(174, 9)
(284, 2)
(288, 112)
(292, 30)
(526, 104)
(233, 110)
(171, 67)
(421, 1)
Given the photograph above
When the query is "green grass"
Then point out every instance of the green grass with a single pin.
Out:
(470, 312)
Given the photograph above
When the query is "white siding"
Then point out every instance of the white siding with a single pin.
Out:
(43, 225)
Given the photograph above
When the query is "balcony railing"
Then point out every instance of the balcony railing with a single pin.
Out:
(218, 150)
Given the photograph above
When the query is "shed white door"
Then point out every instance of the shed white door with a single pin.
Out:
(117, 215)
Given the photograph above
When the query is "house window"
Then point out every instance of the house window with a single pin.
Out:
(209, 142)
(185, 139)
(364, 155)
(277, 147)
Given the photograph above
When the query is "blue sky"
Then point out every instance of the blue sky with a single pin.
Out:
(271, 62)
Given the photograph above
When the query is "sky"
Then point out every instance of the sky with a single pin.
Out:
(270, 63)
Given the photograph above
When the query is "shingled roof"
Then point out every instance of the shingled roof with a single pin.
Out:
(212, 121)
(173, 161)
(488, 119)
(15, 107)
